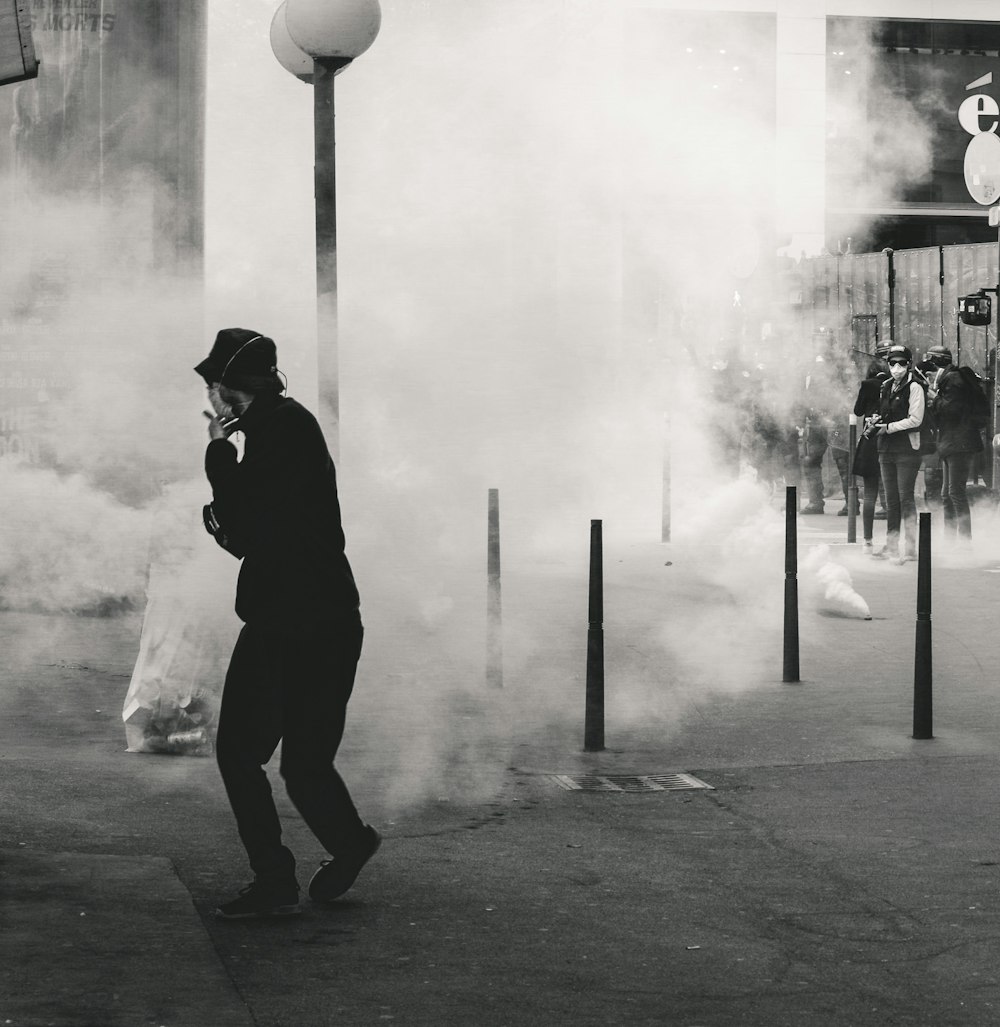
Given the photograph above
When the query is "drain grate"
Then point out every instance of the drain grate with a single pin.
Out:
(630, 783)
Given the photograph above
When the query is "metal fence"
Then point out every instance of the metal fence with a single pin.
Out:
(909, 296)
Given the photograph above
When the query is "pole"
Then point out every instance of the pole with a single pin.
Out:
(665, 514)
(891, 280)
(325, 187)
(922, 660)
(995, 463)
(790, 671)
(852, 482)
(494, 622)
(941, 292)
(593, 729)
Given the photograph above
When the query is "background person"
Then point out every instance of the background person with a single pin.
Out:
(815, 434)
(866, 465)
(901, 412)
(959, 439)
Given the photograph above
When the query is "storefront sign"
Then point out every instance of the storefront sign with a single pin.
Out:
(979, 115)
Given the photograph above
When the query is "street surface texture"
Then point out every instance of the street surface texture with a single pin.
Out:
(839, 873)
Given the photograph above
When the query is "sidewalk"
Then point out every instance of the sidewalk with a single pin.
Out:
(836, 872)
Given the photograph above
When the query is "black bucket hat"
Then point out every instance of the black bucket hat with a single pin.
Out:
(242, 359)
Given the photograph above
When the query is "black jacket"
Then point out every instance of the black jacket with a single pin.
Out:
(952, 408)
(279, 505)
(902, 405)
(869, 396)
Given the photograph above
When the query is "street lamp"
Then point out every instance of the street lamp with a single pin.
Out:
(315, 40)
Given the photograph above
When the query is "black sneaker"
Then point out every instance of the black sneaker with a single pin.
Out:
(812, 509)
(335, 876)
(259, 900)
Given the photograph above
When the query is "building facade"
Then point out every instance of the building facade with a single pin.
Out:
(101, 187)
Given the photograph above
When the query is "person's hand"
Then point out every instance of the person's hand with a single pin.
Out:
(219, 429)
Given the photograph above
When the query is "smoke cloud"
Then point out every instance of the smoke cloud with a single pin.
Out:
(880, 143)
(831, 585)
(511, 178)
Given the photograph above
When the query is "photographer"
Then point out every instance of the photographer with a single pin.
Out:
(292, 670)
(901, 413)
(866, 464)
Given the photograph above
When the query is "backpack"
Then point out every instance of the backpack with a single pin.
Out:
(928, 426)
(979, 405)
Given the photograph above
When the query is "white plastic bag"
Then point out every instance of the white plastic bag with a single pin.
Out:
(188, 633)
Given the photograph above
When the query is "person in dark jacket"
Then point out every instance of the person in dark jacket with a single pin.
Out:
(866, 465)
(901, 413)
(815, 433)
(293, 667)
(958, 439)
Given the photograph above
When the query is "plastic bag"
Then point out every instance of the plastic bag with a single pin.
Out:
(188, 633)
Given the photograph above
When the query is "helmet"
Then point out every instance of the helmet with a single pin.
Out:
(939, 356)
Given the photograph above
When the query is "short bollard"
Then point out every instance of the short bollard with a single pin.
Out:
(666, 498)
(790, 670)
(494, 620)
(923, 663)
(852, 482)
(593, 726)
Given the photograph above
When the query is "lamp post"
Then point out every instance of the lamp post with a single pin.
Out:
(315, 40)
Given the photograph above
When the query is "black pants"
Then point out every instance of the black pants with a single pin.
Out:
(899, 473)
(842, 459)
(812, 467)
(955, 479)
(293, 689)
(872, 486)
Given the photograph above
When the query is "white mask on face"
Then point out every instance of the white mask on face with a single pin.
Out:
(898, 371)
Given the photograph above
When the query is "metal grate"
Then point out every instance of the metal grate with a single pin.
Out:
(629, 783)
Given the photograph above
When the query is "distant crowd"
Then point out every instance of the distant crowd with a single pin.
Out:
(930, 414)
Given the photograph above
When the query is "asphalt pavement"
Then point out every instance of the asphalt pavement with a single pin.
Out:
(745, 851)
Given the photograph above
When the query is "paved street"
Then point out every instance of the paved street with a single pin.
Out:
(836, 872)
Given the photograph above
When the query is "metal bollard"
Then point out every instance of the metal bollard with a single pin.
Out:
(593, 727)
(790, 670)
(666, 497)
(852, 482)
(494, 621)
(923, 671)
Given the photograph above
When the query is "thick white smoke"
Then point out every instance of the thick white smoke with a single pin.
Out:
(511, 178)
(830, 586)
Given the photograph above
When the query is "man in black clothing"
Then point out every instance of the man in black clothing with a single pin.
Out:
(952, 397)
(292, 670)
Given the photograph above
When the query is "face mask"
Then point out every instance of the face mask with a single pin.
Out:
(898, 371)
